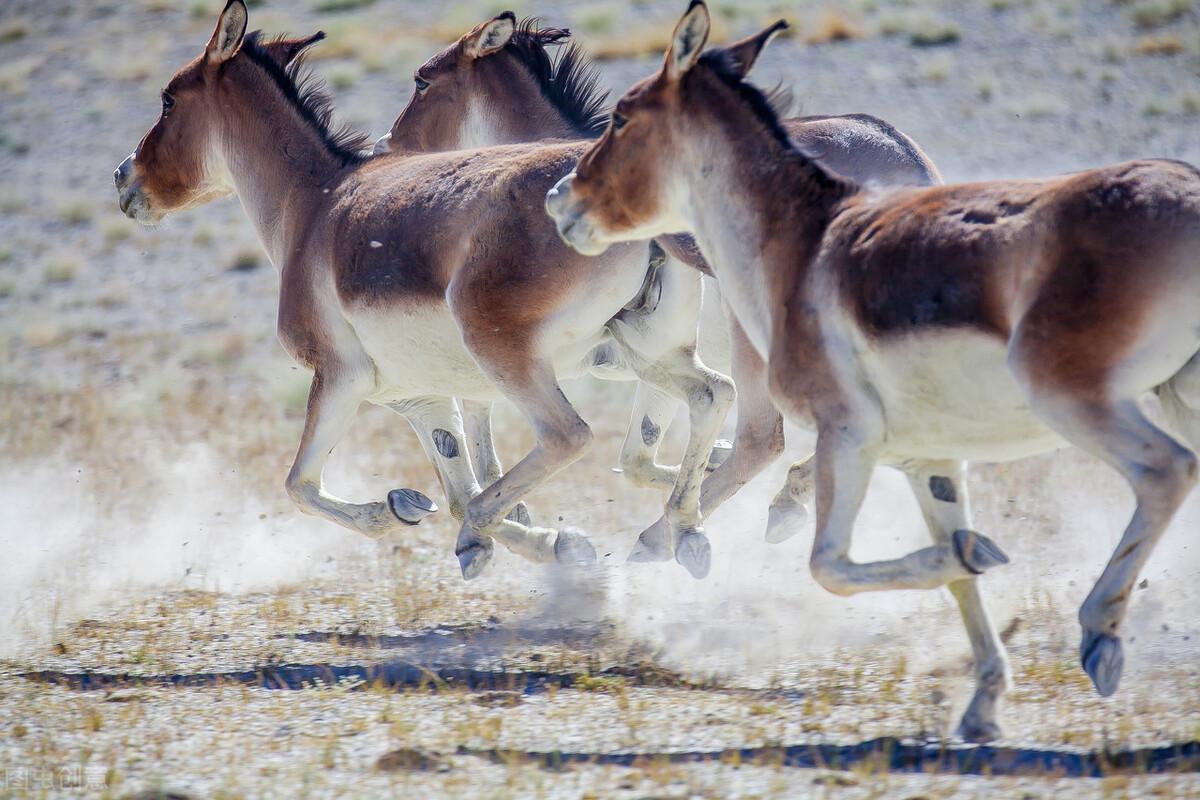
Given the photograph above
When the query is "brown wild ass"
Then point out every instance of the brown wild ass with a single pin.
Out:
(498, 85)
(407, 280)
(922, 327)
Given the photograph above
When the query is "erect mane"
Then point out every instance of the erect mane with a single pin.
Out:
(307, 94)
(766, 107)
(569, 81)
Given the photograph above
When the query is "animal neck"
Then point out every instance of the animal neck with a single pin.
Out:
(515, 110)
(277, 162)
(759, 210)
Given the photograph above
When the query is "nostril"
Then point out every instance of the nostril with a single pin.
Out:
(117, 176)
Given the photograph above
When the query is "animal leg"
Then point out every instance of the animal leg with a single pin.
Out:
(1160, 471)
(332, 402)
(758, 441)
(562, 437)
(845, 457)
(439, 427)
(941, 491)
(789, 510)
(1180, 398)
(477, 422)
(653, 411)
(708, 395)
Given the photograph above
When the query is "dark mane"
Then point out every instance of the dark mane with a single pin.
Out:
(763, 106)
(306, 92)
(568, 81)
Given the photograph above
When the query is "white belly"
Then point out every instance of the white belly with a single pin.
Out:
(420, 351)
(950, 395)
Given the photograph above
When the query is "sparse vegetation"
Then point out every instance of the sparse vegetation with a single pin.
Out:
(833, 25)
(61, 269)
(1165, 44)
(1152, 13)
(336, 6)
(12, 31)
(76, 211)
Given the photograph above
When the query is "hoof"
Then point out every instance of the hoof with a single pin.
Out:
(784, 522)
(520, 515)
(721, 451)
(978, 731)
(573, 547)
(410, 506)
(474, 558)
(695, 553)
(1103, 660)
(653, 545)
(977, 552)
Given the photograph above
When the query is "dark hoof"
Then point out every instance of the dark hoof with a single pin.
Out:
(653, 545)
(410, 506)
(978, 731)
(573, 547)
(1103, 660)
(520, 515)
(474, 558)
(977, 552)
(695, 553)
(721, 451)
(784, 522)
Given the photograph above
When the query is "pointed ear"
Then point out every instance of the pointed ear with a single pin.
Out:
(744, 53)
(491, 36)
(227, 38)
(687, 42)
(284, 51)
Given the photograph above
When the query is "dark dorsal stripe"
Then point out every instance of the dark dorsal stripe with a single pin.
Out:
(306, 93)
(569, 81)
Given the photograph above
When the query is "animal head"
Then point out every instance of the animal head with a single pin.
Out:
(626, 185)
(498, 84)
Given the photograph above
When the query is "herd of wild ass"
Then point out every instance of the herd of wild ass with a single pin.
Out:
(509, 232)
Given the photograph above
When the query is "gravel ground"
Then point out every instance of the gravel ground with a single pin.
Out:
(147, 417)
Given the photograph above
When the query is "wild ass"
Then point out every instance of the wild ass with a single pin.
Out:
(407, 280)
(921, 327)
(498, 85)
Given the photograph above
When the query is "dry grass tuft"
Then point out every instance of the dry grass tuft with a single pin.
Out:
(1152, 13)
(1164, 44)
(834, 26)
(61, 269)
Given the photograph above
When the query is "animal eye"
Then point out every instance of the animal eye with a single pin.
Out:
(422, 84)
(618, 121)
(168, 103)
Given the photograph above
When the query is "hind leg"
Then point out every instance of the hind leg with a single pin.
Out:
(439, 427)
(1160, 471)
(1180, 398)
(477, 425)
(941, 491)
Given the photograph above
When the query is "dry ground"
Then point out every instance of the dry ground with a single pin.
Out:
(147, 417)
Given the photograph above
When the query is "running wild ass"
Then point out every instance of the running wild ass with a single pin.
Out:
(922, 327)
(498, 85)
(408, 280)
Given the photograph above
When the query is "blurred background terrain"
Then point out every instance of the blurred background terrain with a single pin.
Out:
(148, 417)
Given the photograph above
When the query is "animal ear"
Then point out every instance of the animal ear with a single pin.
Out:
(227, 38)
(744, 53)
(491, 36)
(687, 42)
(284, 51)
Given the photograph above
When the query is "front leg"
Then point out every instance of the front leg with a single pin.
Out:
(846, 455)
(708, 395)
(332, 402)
